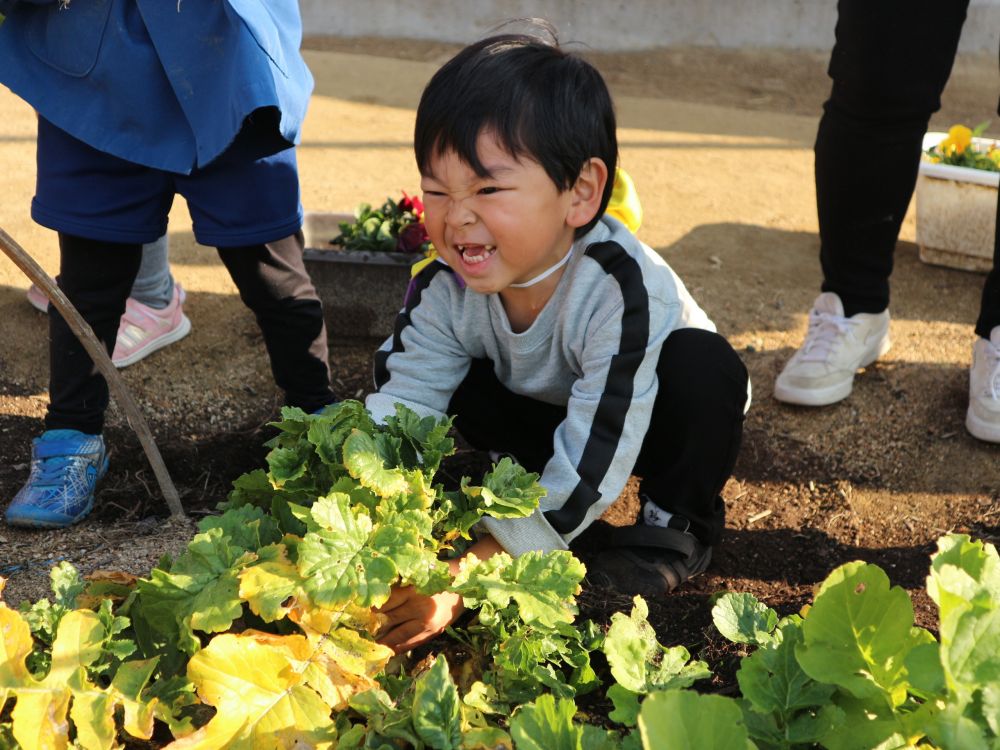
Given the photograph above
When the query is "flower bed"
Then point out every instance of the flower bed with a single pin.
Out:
(264, 632)
(360, 264)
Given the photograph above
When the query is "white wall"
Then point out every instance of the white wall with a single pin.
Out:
(618, 24)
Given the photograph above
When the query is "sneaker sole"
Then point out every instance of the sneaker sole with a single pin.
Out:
(831, 394)
(985, 431)
(175, 335)
(39, 523)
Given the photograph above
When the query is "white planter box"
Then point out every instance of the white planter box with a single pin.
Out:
(956, 212)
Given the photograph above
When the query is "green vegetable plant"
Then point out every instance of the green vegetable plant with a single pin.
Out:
(853, 671)
(264, 632)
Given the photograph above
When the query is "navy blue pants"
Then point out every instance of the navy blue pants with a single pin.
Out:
(890, 63)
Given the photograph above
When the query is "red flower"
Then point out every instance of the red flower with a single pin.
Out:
(411, 203)
(412, 238)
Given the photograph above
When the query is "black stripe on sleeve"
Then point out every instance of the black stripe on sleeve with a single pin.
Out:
(417, 285)
(609, 418)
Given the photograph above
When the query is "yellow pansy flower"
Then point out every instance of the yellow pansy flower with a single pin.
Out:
(959, 138)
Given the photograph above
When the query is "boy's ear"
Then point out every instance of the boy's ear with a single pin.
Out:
(587, 192)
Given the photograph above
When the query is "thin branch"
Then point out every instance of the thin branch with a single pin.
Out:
(99, 355)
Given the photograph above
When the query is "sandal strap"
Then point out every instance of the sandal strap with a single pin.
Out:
(673, 572)
(656, 537)
(63, 448)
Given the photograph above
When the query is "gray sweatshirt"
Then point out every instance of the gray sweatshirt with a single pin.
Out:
(593, 349)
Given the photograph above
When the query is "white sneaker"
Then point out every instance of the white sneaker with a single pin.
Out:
(983, 418)
(822, 371)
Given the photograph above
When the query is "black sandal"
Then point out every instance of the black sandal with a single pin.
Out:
(647, 560)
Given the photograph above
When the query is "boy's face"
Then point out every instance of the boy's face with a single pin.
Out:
(498, 230)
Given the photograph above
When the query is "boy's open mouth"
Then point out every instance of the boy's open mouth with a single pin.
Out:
(473, 254)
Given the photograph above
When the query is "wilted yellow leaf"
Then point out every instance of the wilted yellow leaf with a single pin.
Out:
(256, 682)
(345, 663)
(273, 588)
(267, 585)
(44, 708)
(15, 645)
(105, 584)
(40, 714)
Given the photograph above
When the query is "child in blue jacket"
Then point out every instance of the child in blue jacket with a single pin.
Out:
(138, 101)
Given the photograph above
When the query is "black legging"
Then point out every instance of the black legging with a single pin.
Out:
(97, 278)
(890, 63)
(691, 445)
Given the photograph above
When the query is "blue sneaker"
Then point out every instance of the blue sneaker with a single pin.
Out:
(65, 468)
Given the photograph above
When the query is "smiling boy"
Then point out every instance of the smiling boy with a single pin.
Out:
(551, 333)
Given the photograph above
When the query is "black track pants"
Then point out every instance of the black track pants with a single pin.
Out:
(97, 278)
(690, 447)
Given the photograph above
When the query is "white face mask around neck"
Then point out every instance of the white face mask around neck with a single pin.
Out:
(544, 274)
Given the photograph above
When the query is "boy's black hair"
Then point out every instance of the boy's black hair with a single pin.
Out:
(539, 100)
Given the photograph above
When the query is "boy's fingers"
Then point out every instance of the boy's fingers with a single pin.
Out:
(397, 598)
(405, 636)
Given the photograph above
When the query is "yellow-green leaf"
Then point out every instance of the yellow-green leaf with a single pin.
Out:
(257, 683)
(40, 714)
(129, 681)
(15, 645)
(40, 721)
(274, 589)
(92, 712)
(345, 663)
(268, 585)
(487, 738)
(338, 563)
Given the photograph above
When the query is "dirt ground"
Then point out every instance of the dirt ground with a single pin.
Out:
(719, 144)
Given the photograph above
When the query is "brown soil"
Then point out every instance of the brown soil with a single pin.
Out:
(719, 145)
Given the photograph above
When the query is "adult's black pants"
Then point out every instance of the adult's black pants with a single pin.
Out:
(890, 63)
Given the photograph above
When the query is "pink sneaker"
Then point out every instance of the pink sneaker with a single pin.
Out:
(144, 329)
(37, 299)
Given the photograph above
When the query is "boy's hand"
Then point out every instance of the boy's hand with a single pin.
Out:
(413, 619)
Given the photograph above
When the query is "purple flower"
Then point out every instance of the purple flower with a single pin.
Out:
(412, 238)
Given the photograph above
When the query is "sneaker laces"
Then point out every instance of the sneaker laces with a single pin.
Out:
(826, 330)
(51, 471)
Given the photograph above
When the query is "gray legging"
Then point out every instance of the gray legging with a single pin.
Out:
(154, 285)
